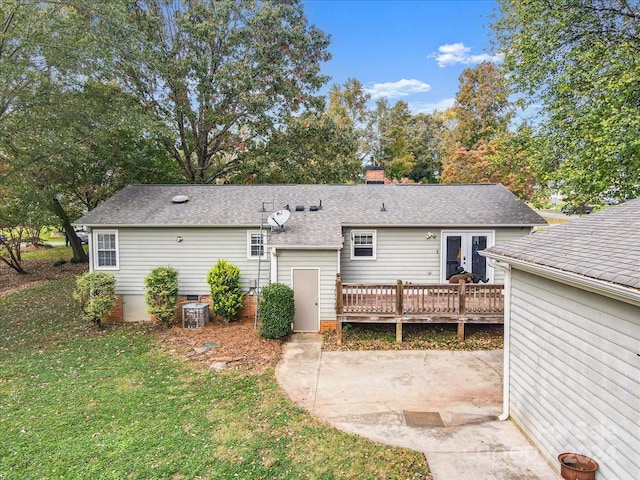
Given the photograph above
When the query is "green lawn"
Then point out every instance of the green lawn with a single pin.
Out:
(77, 403)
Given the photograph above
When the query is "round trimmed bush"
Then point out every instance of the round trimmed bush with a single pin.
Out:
(162, 293)
(277, 310)
(96, 294)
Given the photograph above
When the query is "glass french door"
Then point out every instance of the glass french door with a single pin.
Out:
(460, 249)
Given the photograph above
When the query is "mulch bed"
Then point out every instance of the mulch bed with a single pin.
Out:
(38, 272)
(218, 345)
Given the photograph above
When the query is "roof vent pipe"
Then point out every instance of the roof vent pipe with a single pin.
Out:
(383, 209)
(320, 205)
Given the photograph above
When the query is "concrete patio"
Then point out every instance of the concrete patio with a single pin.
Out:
(442, 403)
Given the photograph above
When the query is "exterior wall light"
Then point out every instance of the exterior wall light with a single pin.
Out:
(178, 239)
(430, 235)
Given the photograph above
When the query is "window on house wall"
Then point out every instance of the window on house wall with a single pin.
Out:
(256, 244)
(363, 244)
(105, 250)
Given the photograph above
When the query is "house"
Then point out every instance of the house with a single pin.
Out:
(367, 233)
(572, 338)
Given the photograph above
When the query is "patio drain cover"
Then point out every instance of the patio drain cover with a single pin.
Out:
(423, 419)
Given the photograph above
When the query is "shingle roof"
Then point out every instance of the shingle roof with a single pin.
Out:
(602, 246)
(487, 205)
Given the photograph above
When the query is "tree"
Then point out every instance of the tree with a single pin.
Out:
(219, 76)
(579, 61)
(348, 108)
(482, 109)
(426, 144)
(310, 148)
(480, 120)
(82, 146)
(22, 33)
(392, 150)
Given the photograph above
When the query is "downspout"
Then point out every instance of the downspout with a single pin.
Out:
(273, 263)
(506, 364)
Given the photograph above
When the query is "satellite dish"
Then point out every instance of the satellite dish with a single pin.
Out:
(279, 218)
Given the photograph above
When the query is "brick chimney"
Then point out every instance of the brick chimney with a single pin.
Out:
(374, 175)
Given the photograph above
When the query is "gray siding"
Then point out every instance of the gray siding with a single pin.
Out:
(143, 249)
(402, 254)
(326, 261)
(575, 374)
(406, 254)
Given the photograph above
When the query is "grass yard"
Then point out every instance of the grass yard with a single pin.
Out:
(82, 403)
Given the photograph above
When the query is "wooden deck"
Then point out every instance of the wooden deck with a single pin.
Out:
(412, 303)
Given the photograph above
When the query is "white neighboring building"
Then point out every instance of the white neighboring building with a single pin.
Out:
(572, 338)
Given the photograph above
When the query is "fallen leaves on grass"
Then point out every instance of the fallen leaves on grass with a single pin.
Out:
(371, 336)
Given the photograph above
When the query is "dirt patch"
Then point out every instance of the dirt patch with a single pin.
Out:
(218, 345)
(38, 272)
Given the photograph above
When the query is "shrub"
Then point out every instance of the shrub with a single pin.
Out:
(162, 293)
(96, 294)
(226, 291)
(277, 310)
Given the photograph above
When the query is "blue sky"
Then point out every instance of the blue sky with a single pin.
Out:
(410, 50)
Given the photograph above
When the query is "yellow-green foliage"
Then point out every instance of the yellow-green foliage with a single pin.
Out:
(162, 293)
(226, 291)
(96, 294)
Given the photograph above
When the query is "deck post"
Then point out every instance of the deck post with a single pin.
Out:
(398, 331)
(462, 309)
(399, 299)
(461, 331)
(339, 306)
(339, 309)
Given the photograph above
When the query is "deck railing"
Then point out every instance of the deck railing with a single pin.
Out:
(406, 299)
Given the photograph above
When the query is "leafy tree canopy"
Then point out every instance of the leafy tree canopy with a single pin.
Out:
(579, 62)
(219, 76)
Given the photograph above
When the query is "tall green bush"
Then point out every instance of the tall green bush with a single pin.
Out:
(226, 290)
(96, 294)
(277, 310)
(162, 293)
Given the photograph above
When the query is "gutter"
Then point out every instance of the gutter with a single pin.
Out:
(506, 364)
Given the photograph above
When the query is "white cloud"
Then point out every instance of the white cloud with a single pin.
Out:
(453, 53)
(401, 88)
(441, 106)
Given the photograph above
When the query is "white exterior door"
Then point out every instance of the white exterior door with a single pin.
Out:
(306, 294)
(460, 249)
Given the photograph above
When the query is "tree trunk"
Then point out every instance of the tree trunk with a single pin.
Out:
(79, 255)
(13, 262)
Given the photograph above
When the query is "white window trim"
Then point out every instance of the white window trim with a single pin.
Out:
(251, 233)
(374, 235)
(94, 241)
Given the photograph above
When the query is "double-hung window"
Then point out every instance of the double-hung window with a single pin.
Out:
(363, 244)
(105, 249)
(256, 245)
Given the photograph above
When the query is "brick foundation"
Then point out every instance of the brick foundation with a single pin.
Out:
(326, 325)
(117, 313)
(247, 311)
